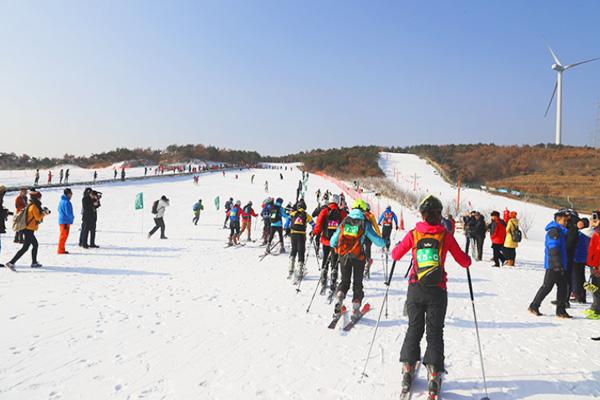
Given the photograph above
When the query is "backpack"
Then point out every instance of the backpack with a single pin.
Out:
(388, 218)
(350, 239)
(155, 207)
(266, 212)
(275, 214)
(333, 220)
(516, 235)
(196, 207)
(299, 221)
(427, 264)
(20, 220)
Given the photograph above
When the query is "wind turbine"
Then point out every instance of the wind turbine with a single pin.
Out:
(559, 68)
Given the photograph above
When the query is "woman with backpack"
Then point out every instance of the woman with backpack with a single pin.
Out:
(29, 220)
(512, 239)
(427, 296)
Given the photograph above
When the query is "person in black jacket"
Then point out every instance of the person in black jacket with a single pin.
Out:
(478, 230)
(89, 216)
(571, 243)
(4, 213)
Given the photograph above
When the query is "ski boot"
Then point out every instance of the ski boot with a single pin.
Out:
(282, 251)
(291, 269)
(300, 272)
(323, 282)
(408, 375)
(434, 377)
(355, 310)
(337, 308)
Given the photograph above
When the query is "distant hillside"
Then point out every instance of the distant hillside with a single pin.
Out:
(553, 175)
(171, 154)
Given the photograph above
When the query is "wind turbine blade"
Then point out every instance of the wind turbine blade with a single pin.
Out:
(551, 98)
(554, 56)
(582, 62)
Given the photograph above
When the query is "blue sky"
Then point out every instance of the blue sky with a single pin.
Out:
(281, 76)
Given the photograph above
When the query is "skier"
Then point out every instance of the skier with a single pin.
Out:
(387, 219)
(298, 221)
(197, 208)
(277, 213)
(49, 177)
(37, 177)
(326, 196)
(115, 174)
(34, 215)
(95, 176)
(252, 179)
(281, 175)
(20, 203)
(343, 204)
(315, 215)
(158, 209)
(593, 261)
(427, 296)
(247, 214)
(327, 223)
(497, 230)
(318, 193)
(555, 263)
(298, 190)
(65, 219)
(348, 240)
(228, 205)
(266, 186)
(234, 215)
(61, 175)
(370, 217)
(122, 174)
(67, 173)
(265, 214)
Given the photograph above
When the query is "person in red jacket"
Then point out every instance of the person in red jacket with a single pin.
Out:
(506, 215)
(247, 214)
(427, 296)
(328, 221)
(497, 234)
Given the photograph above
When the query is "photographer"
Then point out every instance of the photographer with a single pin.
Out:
(35, 215)
(4, 213)
(90, 203)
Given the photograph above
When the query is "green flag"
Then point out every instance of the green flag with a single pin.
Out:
(217, 202)
(139, 201)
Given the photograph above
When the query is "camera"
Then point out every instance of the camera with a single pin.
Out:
(46, 210)
(596, 215)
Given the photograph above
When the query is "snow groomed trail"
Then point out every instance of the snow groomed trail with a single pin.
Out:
(186, 318)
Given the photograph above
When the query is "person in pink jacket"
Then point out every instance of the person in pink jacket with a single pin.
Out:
(427, 296)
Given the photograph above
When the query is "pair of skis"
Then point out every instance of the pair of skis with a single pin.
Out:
(354, 320)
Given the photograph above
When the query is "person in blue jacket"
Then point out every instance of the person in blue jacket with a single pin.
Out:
(277, 213)
(555, 263)
(387, 219)
(349, 242)
(65, 219)
(581, 253)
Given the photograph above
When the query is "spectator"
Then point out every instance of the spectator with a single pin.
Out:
(65, 219)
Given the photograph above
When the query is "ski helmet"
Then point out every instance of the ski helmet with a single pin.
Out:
(301, 205)
(335, 199)
(238, 203)
(430, 203)
(360, 204)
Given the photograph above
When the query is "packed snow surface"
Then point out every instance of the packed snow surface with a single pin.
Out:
(187, 318)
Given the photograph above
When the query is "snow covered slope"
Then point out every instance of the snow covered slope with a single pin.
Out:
(186, 318)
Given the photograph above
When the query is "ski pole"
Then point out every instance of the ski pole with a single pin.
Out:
(477, 330)
(387, 283)
(318, 281)
(405, 307)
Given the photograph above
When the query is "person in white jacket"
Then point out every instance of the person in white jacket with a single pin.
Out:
(159, 222)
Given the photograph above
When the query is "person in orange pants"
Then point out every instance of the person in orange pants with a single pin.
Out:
(65, 219)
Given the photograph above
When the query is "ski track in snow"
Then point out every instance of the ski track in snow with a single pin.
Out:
(186, 318)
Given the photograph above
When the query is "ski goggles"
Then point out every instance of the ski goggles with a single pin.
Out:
(590, 287)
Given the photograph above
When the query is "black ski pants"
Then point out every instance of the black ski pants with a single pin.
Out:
(479, 246)
(426, 308)
(298, 246)
(368, 245)
(330, 259)
(386, 233)
(234, 229)
(266, 229)
(352, 267)
(498, 256)
(88, 229)
(159, 223)
(550, 279)
(279, 231)
(30, 240)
